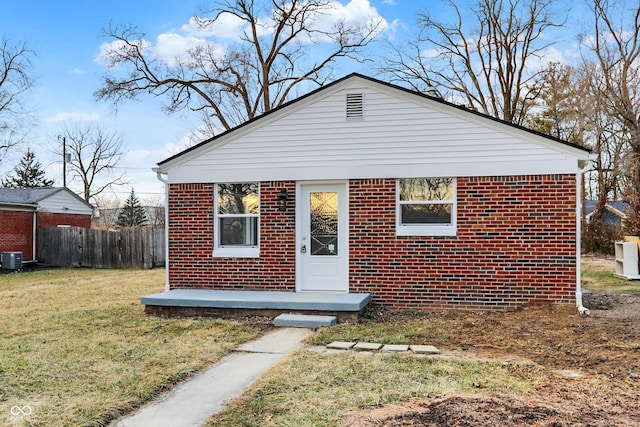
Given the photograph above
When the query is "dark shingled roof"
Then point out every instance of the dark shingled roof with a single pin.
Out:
(30, 196)
(25, 196)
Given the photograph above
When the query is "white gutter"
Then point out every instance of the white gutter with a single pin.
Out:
(583, 310)
(166, 227)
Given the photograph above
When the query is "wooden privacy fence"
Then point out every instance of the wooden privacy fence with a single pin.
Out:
(136, 247)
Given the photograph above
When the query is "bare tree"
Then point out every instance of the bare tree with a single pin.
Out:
(616, 46)
(482, 58)
(95, 152)
(239, 81)
(560, 108)
(155, 209)
(15, 80)
(107, 212)
(607, 140)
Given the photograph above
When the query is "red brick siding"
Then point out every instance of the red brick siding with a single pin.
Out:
(16, 232)
(515, 246)
(16, 228)
(46, 219)
(191, 261)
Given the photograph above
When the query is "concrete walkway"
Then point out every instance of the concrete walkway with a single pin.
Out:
(193, 402)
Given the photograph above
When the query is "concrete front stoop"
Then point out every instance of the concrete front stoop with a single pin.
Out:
(346, 307)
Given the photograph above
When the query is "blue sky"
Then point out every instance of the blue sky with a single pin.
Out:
(66, 37)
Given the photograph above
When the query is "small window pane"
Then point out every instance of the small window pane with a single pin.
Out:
(238, 198)
(426, 189)
(239, 231)
(323, 219)
(426, 214)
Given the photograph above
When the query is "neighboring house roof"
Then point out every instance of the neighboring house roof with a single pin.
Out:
(615, 212)
(309, 138)
(25, 196)
(53, 199)
(621, 209)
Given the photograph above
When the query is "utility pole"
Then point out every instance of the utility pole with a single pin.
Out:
(64, 160)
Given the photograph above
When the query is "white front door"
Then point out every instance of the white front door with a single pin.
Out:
(323, 238)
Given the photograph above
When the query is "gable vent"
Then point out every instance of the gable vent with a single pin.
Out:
(355, 106)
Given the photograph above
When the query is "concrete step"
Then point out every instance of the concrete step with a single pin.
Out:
(304, 321)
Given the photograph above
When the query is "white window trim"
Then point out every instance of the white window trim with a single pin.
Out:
(232, 251)
(428, 229)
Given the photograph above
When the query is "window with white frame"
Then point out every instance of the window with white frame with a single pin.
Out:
(426, 207)
(237, 219)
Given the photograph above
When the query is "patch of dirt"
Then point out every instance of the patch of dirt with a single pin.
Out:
(498, 410)
(603, 349)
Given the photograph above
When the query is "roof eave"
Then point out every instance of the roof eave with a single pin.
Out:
(33, 206)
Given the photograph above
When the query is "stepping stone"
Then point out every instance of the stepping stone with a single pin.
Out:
(424, 349)
(367, 346)
(395, 347)
(304, 321)
(568, 374)
(340, 345)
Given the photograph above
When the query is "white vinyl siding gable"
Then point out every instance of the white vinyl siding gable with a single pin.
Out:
(63, 202)
(399, 136)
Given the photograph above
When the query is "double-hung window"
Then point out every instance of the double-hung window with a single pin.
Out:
(426, 207)
(237, 220)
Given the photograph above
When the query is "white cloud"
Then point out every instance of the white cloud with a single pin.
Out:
(172, 48)
(393, 28)
(355, 12)
(227, 26)
(430, 54)
(75, 117)
(551, 54)
(135, 158)
(196, 136)
(107, 50)
(230, 27)
(76, 71)
(390, 2)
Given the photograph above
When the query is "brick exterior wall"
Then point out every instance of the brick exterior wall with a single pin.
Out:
(46, 219)
(515, 246)
(16, 232)
(16, 228)
(191, 261)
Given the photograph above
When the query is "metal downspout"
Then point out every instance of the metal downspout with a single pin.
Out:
(166, 227)
(583, 310)
(33, 234)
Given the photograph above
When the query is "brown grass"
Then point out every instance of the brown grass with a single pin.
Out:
(77, 349)
(597, 276)
(328, 389)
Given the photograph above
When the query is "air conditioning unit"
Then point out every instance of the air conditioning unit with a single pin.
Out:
(11, 260)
